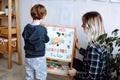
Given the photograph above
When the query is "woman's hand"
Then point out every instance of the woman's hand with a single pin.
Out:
(77, 43)
(72, 72)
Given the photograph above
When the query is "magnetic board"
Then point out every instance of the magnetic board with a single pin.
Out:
(61, 44)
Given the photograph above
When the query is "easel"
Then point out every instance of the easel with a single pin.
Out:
(58, 33)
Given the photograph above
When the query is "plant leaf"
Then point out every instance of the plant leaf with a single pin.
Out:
(109, 40)
(111, 49)
(101, 38)
(115, 32)
(117, 42)
(118, 49)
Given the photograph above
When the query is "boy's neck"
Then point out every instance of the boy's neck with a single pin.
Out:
(36, 22)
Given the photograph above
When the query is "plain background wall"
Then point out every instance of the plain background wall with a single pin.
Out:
(109, 11)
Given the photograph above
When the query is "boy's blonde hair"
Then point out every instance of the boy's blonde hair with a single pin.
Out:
(38, 12)
(93, 25)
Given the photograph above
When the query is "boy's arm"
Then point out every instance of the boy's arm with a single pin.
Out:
(46, 36)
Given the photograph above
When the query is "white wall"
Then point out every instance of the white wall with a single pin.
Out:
(109, 11)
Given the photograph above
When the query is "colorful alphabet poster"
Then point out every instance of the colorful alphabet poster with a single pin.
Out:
(61, 42)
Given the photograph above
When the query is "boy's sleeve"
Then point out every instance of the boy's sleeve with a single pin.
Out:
(46, 37)
(23, 33)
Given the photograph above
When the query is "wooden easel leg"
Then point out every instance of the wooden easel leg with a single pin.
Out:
(9, 60)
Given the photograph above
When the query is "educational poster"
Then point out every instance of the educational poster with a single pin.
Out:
(61, 41)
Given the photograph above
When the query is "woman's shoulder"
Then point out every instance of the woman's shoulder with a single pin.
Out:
(99, 48)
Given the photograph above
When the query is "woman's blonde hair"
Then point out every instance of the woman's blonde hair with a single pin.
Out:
(93, 25)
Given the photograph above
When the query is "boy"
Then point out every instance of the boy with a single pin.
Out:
(35, 36)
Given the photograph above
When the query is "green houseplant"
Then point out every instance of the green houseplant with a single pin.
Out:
(112, 43)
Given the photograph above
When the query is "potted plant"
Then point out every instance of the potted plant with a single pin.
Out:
(112, 43)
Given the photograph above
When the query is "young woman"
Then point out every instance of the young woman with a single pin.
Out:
(93, 66)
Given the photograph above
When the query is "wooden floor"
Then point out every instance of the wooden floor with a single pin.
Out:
(18, 72)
